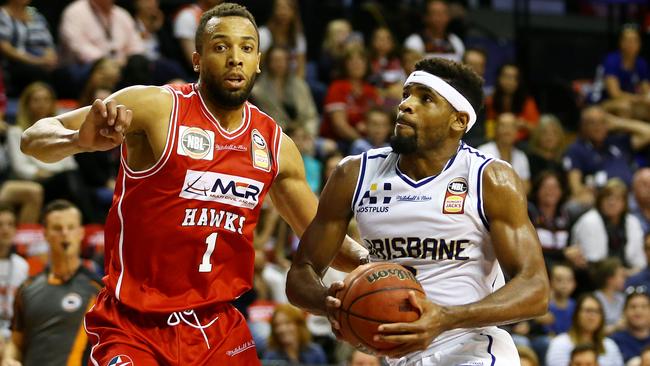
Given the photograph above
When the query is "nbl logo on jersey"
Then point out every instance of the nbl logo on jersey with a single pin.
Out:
(216, 187)
(376, 199)
(196, 143)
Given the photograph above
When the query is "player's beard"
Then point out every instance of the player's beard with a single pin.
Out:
(404, 144)
(225, 98)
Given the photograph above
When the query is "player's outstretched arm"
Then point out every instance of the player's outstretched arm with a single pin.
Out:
(322, 240)
(297, 204)
(101, 126)
(519, 253)
(13, 350)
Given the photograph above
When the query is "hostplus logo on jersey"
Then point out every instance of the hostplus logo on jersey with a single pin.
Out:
(376, 199)
(196, 143)
(223, 188)
(121, 360)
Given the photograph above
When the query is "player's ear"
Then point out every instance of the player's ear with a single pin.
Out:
(196, 61)
(259, 58)
(461, 119)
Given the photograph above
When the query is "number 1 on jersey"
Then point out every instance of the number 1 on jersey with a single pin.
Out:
(211, 241)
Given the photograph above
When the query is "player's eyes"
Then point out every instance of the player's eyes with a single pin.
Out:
(220, 47)
(247, 48)
(427, 99)
(405, 95)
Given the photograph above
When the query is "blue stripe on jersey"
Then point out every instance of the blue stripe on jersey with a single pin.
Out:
(420, 183)
(490, 341)
(481, 214)
(378, 156)
(362, 172)
(472, 150)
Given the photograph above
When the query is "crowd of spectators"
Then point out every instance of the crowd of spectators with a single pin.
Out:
(589, 190)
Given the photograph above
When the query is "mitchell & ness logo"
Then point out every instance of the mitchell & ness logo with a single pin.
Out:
(224, 188)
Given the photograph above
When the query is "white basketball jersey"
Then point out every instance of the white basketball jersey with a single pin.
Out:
(436, 225)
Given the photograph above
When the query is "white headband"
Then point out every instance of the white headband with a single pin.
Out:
(456, 99)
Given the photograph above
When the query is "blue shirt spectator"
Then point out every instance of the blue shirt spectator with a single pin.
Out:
(599, 163)
(628, 79)
(562, 317)
(629, 345)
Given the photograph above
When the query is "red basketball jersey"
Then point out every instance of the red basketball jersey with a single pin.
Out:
(179, 235)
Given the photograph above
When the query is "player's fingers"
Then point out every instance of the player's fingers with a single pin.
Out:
(114, 136)
(99, 108)
(111, 110)
(415, 301)
(397, 338)
(335, 287)
(122, 118)
(332, 302)
(390, 328)
(335, 324)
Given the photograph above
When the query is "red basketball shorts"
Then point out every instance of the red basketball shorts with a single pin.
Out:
(122, 336)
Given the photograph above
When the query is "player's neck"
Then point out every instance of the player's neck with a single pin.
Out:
(229, 118)
(424, 164)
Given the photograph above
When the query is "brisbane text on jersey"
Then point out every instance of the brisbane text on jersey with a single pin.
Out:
(414, 247)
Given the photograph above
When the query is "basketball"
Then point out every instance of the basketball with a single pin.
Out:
(375, 294)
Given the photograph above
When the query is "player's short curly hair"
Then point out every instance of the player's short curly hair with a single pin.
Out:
(222, 10)
(460, 76)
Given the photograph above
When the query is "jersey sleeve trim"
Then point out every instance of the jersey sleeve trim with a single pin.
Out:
(277, 144)
(169, 144)
(479, 180)
(362, 172)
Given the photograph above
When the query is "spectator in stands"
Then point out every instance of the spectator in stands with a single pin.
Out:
(527, 356)
(185, 24)
(586, 327)
(59, 180)
(599, 154)
(435, 40)
(549, 216)
(284, 29)
(546, 146)
(636, 334)
(561, 306)
(641, 194)
(609, 230)
(329, 164)
(510, 95)
(149, 22)
(93, 29)
(584, 355)
(26, 196)
(642, 279)
(358, 358)
(609, 276)
(14, 270)
(104, 77)
(385, 64)
(627, 78)
(503, 147)
(26, 45)
(348, 100)
(50, 307)
(476, 59)
(339, 36)
(290, 340)
(283, 95)
(305, 144)
(379, 128)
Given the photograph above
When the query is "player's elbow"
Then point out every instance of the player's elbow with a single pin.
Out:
(290, 290)
(540, 295)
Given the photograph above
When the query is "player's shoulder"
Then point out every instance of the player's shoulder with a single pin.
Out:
(144, 95)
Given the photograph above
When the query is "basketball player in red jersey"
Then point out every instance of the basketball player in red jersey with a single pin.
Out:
(196, 166)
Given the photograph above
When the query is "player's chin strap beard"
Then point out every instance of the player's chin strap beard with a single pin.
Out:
(177, 317)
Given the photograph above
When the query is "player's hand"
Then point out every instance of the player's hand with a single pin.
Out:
(414, 336)
(104, 126)
(332, 305)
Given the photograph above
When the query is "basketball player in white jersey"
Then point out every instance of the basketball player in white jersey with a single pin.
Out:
(455, 215)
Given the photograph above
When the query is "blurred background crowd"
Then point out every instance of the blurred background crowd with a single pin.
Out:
(567, 89)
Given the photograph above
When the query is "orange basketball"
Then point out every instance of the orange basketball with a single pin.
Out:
(375, 294)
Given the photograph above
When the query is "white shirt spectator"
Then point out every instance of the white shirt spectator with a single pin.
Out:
(266, 41)
(187, 21)
(559, 352)
(590, 234)
(519, 160)
(13, 272)
(416, 43)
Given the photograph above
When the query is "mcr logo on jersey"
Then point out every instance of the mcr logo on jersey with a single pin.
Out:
(223, 188)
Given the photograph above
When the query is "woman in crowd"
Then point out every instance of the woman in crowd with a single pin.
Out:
(348, 100)
(338, 38)
(586, 327)
(546, 146)
(283, 95)
(511, 96)
(385, 64)
(548, 215)
(284, 29)
(609, 230)
(59, 180)
(290, 339)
